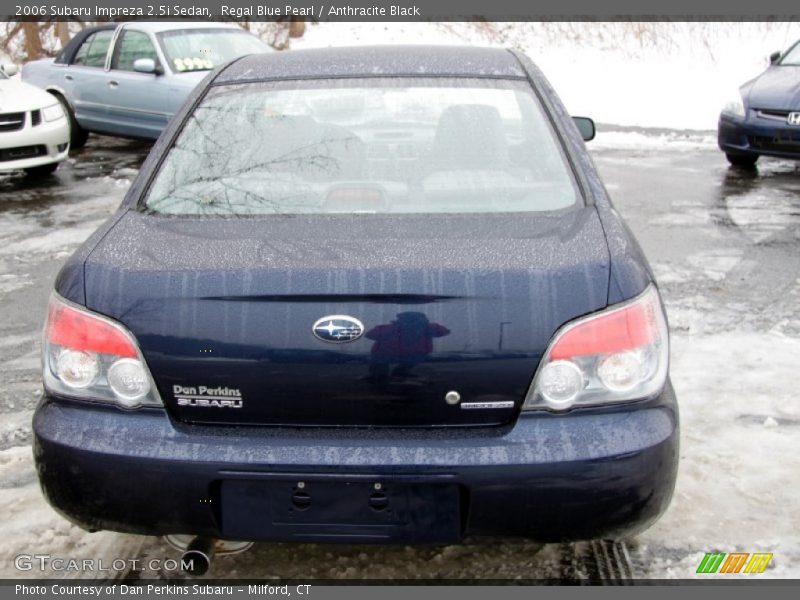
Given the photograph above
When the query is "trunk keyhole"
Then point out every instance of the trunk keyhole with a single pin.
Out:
(301, 500)
(378, 501)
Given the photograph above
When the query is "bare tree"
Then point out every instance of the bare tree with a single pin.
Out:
(33, 43)
(62, 31)
(297, 27)
(279, 34)
(29, 40)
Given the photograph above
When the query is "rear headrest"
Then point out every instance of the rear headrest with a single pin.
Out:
(320, 151)
(470, 136)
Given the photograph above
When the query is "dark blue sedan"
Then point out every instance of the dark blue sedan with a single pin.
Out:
(362, 295)
(764, 117)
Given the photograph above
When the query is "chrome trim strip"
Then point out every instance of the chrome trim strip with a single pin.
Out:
(486, 405)
(83, 104)
(772, 117)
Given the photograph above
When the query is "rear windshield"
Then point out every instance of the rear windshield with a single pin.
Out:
(401, 145)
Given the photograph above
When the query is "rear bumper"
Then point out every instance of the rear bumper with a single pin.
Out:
(549, 478)
(757, 136)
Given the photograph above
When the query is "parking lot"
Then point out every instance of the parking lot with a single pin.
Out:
(724, 245)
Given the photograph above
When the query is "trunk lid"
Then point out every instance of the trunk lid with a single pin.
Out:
(223, 310)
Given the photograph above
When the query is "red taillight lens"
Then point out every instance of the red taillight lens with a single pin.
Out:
(77, 330)
(624, 329)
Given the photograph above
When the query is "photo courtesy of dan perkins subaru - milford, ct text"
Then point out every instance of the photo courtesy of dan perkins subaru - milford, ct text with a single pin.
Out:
(59, 589)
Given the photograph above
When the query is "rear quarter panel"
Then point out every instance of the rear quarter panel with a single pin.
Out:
(630, 272)
(44, 74)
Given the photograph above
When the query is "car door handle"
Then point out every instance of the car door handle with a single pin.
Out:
(113, 84)
(68, 77)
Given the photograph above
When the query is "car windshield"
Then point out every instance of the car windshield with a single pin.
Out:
(792, 57)
(204, 49)
(401, 145)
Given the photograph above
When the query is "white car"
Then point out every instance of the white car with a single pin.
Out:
(34, 131)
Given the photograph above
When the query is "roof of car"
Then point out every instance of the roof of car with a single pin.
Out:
(68, 53)
(159, 26)
(375, 61)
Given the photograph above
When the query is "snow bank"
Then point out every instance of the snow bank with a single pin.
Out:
(674, 75)
(740, 469)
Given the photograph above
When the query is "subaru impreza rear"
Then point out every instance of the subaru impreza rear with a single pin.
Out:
(361, 295)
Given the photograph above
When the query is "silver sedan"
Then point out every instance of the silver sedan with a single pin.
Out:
(128, 79)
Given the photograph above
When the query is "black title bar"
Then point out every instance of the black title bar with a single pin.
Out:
(401, 10)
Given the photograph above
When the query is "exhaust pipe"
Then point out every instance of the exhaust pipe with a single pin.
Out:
(197, 557)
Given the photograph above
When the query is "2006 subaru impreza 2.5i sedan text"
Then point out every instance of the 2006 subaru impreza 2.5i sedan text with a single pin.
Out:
(362, 295)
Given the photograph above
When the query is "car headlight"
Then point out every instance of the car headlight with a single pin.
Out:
(734, 106)
(53, 113)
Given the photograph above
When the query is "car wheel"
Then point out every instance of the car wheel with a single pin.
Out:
(747, 161)
(42, 170)
(77, 134)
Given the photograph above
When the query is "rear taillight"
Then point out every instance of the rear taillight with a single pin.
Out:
(91, 357)
(619, 354)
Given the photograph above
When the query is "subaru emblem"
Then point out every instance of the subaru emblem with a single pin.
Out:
(338, 329)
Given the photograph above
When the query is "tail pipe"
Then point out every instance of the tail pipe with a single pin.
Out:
(197, 557)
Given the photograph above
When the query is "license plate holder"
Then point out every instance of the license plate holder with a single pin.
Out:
(345, 511)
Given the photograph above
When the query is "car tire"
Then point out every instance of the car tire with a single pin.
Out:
(42, 170)
(77, 134)
(745, 161)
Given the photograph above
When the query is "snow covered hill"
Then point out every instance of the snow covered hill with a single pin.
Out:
(667, 75)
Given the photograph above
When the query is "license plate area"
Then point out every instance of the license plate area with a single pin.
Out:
(786, 137)
(344, 511)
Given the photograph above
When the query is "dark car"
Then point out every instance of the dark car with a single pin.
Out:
(764, 117)
(362, 295)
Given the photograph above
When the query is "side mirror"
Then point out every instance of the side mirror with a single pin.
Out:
(10, 69)
(774, 57)
(586, 126)
(146, 65)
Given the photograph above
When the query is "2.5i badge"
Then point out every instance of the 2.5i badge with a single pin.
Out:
(207, 397)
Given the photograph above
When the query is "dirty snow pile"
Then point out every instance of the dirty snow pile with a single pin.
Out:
(740, 471)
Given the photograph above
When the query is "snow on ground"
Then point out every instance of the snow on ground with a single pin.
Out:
(740, 469)
(41, 225)
(673, 75)
(644, 140)
(30, 526)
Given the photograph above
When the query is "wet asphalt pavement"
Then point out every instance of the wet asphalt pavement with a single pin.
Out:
(727, 234)
(724, 243)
